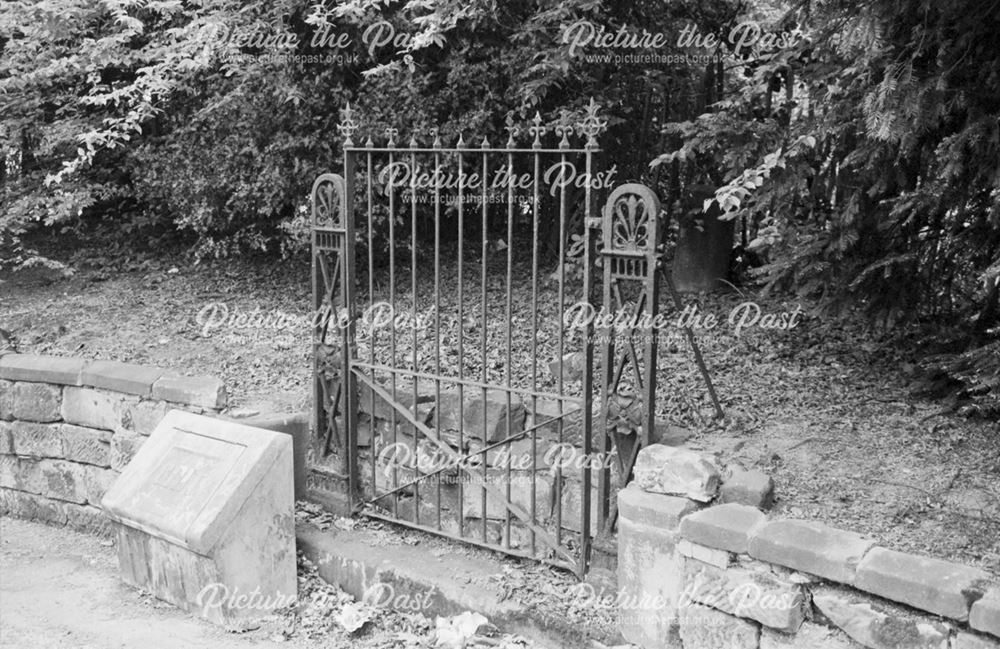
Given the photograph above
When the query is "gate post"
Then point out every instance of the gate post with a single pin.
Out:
(631, 256)
(348, 380)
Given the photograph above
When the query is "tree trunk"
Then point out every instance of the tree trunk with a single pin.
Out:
(702, 258)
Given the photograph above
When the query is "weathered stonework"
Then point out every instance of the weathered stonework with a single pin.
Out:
(963, 640)
(42, 369)
(702, 627)
(121, 377)
(933, 585)
(95, 409)
(810, 547)
(747, 487)
(725, 527)
(650, 571)
(809, 636)
(204, 391)
(37, 402)
(124, 446)
(755, 594)
(35, 440)
(880, 627)
(86, 445)
(705, 554)
(676, 471)
(6, 400)
(985, 613)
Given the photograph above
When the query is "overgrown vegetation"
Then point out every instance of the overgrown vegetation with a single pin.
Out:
(858, 149)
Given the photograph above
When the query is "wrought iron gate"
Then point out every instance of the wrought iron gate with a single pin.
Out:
(464, 375)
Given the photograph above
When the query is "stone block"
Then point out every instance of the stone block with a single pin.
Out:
(754, 488)
(676, 471)
(121, 377)
(483, 419)
(933, 585)
(51, 478)
(702, 627)
(10, 472)
(877, 626)
(755, 594)
(87, 445)
(36, 440)
(724, 527)
(20, 504)
(705, 554)
(87, 518)
(985, 613)
(298, 426)
(37, 402)
(6, 438)
(95, 409)
(6, 400)
(810, 547)
(653, 510)
(205, 516)
(650, 580)
(809, 636)
(124, 445)
(520, 494)
(204, 391)
(965, 640)
(41, 369)
(144, 416)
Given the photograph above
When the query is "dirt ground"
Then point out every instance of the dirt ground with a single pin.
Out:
(826, 408)
(61, 589)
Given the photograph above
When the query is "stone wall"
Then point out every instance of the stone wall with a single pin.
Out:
(68, 426)
(702, 574)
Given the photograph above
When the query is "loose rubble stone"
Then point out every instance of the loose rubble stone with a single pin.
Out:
(87, 445)
(448, 412)
(204, 391)
(705, 554)
(753, 488)
(809, 636)
(985, 613)
(755, 594)
(702, 627)
(42, 369)
(810, 547)
(37, 402)
(520, 494)
(879, 627)
(933, 585)
(725, 527)
(121, 377)
(676, 471)
(573, 366)
(654, 510)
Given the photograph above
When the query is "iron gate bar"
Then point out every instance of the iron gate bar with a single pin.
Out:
(591, 126)
(503, 442)
(388, 369)
(485, 485)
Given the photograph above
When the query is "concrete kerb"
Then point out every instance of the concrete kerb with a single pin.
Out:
(440, 586)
